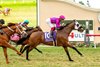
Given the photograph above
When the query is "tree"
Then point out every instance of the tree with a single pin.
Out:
(88, 3)
(81, 3)
(74, 0)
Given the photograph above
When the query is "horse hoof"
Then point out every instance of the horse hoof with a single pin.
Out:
(41, 52)
(7, 62)
(71, 60)
(22, 55)
(28, 59)
(19, 53)
(82, 56)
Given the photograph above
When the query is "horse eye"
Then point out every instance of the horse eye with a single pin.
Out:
(77, 25)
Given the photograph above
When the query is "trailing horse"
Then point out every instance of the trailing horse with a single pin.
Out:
(38, 37)
(5, 12)
(7, 31)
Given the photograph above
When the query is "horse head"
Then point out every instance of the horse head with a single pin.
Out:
(77, 26)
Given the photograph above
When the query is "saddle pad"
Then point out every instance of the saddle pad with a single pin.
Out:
(47, 36)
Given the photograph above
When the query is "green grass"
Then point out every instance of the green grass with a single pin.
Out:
(20, 12)
(53, 57)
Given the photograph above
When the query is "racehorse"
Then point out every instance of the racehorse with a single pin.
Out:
(6, 11)
(7, 31)
(38, 37)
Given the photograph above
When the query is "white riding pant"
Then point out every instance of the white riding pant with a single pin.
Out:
(48, 21)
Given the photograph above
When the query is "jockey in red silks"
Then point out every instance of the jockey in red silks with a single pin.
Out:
(54, 23)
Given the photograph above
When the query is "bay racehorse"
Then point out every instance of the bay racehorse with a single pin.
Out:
(37, 38)
(7, 31)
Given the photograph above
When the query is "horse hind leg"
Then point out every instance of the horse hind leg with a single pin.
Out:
(5, 54)
(67, 52)
(22, 46)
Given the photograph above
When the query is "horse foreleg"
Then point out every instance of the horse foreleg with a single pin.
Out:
(71, 46)
(5, 54)
(30, 48)
(67, 52)
(25, 48)
(21, 48)
(38, 50)
(27, 52)
(77, 51)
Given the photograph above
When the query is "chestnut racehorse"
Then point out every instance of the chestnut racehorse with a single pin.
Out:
(37, 38)
(7, 31)
(5, 12)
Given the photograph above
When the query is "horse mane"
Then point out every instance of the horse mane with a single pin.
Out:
(11, 24)
(64, 26)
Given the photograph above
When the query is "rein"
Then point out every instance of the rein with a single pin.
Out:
(10, 29)
(19, 29)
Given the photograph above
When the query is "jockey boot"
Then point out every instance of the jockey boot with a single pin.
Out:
(51, 34)
(54, 41)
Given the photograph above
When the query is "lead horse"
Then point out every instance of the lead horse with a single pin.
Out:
(7, 31)
(37, 38)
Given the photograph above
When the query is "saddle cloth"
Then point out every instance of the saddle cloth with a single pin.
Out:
(47, 36)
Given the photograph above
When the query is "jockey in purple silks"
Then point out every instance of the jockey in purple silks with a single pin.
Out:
(54, 23)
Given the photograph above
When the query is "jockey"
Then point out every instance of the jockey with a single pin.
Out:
(54, 23)
(15, 37)
(6, 11)
(2, 22)
(25, 23)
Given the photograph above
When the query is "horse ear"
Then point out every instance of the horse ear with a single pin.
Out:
(74, 20)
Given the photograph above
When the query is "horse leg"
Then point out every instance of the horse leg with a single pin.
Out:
(27, 52)
(38, 50)
(77, 51)
(21, 48)
(11, 47)
(25, 48)
(71, 46)
(5, 54)
(30, 48)
(67, 52)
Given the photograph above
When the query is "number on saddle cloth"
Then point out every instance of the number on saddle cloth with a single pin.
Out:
(48, 38)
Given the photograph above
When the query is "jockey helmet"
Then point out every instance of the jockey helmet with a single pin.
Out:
(25, 22)
(2, 21)
(62, 17)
